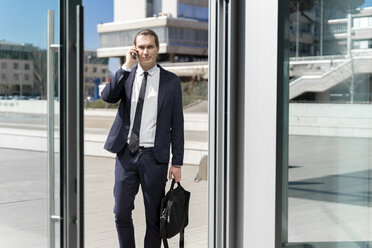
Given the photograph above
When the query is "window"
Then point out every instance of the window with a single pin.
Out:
(362, 22)
(94, 69)
(3, 76)
(193, 12)
(3, 65)
(362, 44)
(27, 77)
(27, 66)
(15, 66)
(356, 22)
(16, 76)
(104, 70)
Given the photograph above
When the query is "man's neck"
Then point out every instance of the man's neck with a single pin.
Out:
(147, 68)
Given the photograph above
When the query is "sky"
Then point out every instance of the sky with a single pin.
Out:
(367, 3)
(25, 21)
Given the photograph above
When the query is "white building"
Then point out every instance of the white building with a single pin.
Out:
(182, 27)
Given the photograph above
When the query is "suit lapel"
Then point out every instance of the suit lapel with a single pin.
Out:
(162, 87)
(129, 85)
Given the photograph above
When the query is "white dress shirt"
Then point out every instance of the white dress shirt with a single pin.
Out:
(150, 105)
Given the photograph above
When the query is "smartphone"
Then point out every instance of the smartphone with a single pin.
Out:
(134, 55)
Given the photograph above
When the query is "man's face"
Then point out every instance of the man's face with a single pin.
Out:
(147, 51)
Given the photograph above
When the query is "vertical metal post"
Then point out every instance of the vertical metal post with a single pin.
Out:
(298, 30)
(321, 27)
(80, 120)
(226, 120)
(220, 128)
(350, 55)
(50, 97)
(212, 130)
(282, 127)
(71, 150)
(349, 35)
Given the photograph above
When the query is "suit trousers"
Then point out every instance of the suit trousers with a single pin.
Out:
(132, 170)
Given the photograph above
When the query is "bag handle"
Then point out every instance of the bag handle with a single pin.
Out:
(173, 182)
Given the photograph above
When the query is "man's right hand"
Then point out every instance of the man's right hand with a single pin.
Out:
(130, 62)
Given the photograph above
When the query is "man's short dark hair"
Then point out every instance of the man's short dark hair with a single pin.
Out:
(147, 32)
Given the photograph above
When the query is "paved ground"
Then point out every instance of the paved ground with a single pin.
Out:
(329, 196)
(23, 203)
(329, 192)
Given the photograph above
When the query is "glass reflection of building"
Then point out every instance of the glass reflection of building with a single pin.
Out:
(328, 58)
(17, 69)
(95, 72)
(329, 37)
(182, 27)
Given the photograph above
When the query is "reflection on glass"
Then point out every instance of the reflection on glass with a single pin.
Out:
(330, 124)
(24, 198)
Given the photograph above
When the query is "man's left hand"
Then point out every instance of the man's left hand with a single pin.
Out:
(175, 172)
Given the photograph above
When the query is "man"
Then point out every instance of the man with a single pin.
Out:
(148, 121)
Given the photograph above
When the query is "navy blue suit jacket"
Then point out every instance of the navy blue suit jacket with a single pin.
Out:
(169, 123)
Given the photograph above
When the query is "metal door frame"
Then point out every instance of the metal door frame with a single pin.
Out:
(71, 124)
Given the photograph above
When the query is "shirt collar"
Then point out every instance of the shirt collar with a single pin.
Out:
(151, 72)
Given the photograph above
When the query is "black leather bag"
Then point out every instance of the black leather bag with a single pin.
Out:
(174, 213)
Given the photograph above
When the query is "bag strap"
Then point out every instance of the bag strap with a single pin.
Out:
(182, 240)
(165, 243)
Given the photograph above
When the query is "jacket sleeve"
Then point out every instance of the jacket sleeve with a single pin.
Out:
(177, 132)
(114, 90)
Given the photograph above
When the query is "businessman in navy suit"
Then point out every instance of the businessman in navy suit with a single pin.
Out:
(149, 123)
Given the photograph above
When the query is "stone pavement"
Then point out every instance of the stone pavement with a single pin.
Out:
(329, 187)
(23, 203)
(100, 229)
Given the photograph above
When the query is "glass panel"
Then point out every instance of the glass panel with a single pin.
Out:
(24, 183)
(330, 124)
(103, 50)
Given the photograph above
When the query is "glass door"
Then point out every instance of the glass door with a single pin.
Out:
(329, 175)
(41, 142)
(29, 124)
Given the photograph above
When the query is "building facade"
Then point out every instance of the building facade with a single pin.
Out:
(182, 27)
(17, 69)
(95, 72)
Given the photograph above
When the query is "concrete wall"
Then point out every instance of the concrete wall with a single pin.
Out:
(26, 106)
(344, 120)
(125, 10)
(170, 7)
